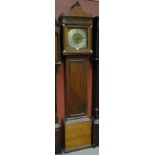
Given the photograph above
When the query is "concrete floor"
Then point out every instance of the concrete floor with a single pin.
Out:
(90, 151)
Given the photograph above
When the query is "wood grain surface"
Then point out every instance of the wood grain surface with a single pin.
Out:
(76, 87)
(77, 134)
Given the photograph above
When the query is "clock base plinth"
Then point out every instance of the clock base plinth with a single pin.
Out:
(77, 134)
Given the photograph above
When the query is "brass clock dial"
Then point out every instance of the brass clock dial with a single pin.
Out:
(77, 38)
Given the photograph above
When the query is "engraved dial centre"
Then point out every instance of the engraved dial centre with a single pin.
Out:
(77, 38)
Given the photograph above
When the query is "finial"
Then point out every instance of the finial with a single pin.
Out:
(76, 3)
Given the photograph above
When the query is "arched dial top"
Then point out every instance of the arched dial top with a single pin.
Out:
(77, 38)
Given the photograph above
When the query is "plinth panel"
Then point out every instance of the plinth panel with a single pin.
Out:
(77, 134)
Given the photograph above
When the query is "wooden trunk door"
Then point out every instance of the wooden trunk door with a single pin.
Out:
(76, 87)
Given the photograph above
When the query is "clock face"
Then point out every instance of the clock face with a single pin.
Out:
(77, 38)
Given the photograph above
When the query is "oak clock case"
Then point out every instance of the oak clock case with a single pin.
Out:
(76, 31)
(77, 48)
(58, 128)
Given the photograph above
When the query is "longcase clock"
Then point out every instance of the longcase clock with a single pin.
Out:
(77, 50)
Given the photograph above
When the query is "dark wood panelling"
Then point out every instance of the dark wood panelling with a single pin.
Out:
(58, 139)
(76, 87)
(95, 108)
(95, 135)
(95, 41)
(95, 95)
(58, 135)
